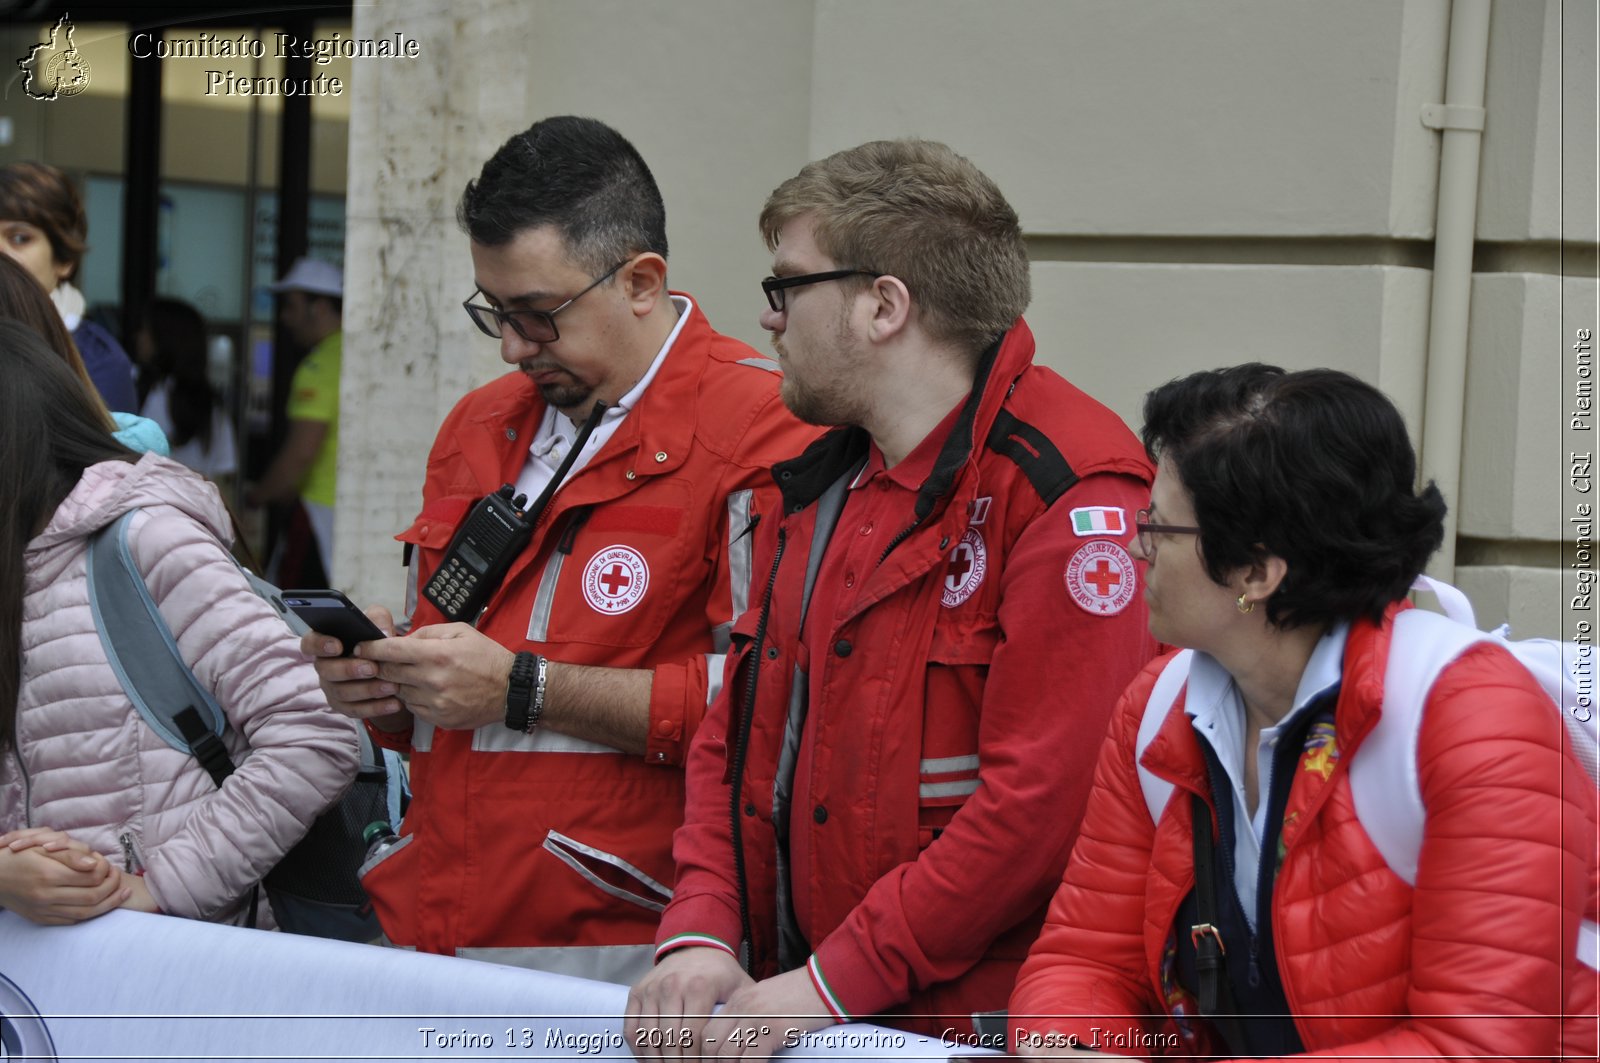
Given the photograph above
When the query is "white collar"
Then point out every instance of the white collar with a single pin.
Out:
(1211, 690)
(557, 429)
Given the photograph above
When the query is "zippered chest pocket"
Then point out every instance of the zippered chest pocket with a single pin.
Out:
(619, 572)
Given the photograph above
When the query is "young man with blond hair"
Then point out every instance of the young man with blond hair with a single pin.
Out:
(883, 798)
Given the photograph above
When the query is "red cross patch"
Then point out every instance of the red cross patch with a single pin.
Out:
(1100, 578)
(969, 562)
(615, 579)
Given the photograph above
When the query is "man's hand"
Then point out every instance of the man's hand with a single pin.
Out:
(760, 1019)
(667, 1010)
(352, 685)
(451, 675)
(49, 891)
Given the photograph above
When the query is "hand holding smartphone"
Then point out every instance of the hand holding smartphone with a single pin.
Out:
(327, 612)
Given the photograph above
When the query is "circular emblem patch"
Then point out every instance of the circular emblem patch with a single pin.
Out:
(1100, 578)
(969, 561)
(615, 579)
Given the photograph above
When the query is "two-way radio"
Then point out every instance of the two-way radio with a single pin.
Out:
(490, 538)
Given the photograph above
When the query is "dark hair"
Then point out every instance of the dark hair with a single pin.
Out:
(45, 197)
(51, 429)
(1314, 467)
(21, 299)
(578, 175)
(179, 335)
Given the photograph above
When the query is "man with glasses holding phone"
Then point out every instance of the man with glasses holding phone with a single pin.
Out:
(548, 732)
(883, 800)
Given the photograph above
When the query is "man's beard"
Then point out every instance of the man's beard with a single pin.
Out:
(834, 402)
(566, 396)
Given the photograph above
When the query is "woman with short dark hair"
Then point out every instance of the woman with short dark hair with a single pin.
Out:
(1235, 889)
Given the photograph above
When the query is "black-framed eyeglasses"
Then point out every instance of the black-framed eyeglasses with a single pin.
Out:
(535, 326)
(1146, 531)
(776, 286)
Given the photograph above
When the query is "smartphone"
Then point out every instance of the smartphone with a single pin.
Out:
(327, 612)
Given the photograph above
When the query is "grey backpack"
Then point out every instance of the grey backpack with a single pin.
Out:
(314, 889)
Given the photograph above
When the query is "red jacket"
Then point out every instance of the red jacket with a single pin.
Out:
(943, 731)
(1476, 961)
(544, 850)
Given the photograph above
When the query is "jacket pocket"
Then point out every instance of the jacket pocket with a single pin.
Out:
(390, 881)
(627, 571)
(958, 662)
(608, 873)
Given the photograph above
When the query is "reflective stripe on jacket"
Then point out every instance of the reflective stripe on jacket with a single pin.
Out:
(544, 850)
(951, 729)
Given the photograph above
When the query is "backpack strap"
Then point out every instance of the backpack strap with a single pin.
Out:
(1033, 452)
(1158, 791)
(144, 655)
(1383, 771)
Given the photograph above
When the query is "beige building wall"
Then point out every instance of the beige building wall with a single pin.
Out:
(1201, 183)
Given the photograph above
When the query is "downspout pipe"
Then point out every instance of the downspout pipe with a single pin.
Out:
(1460, 120)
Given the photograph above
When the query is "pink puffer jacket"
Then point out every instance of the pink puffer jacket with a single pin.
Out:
(88, 764)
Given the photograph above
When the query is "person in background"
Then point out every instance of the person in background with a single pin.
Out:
(22, 300)
(1283, 532)
(885, 794)
(305, 469)
(96, 810)
(175, 388)
(43, 227)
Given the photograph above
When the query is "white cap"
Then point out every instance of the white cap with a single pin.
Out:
(314, 276)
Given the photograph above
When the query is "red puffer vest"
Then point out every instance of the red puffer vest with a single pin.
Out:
(1477, 961)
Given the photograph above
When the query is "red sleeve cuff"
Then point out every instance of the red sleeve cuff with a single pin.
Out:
(399, 741)
(852, 985)
(829, 998)
(677, 705)
(692, 940)
(704, 918)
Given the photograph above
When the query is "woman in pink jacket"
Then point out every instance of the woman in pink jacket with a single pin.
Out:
(1241, 886)
(96, 810)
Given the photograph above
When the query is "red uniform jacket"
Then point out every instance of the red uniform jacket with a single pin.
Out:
(1476, 961)
(952, 724)
(543, 850)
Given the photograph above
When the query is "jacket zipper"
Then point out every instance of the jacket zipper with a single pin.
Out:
(741, 876)
(27, 786)
(130, 854)
(569, 536)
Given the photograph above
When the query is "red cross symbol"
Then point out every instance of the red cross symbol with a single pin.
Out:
(1103, 577)
(615, 579)
(960, 565)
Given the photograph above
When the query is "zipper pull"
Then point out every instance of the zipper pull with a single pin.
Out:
(130, 855)
(1253, 972)
(574, 525)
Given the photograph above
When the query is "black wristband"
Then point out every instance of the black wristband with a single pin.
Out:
(519, 690)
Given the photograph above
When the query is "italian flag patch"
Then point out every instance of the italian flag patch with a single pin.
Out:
(1099, 520)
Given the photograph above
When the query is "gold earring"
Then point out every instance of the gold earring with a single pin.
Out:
(1244, 606)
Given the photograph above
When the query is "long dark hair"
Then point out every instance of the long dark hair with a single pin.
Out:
(179, 333)
(22, 299)
(51, 429)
